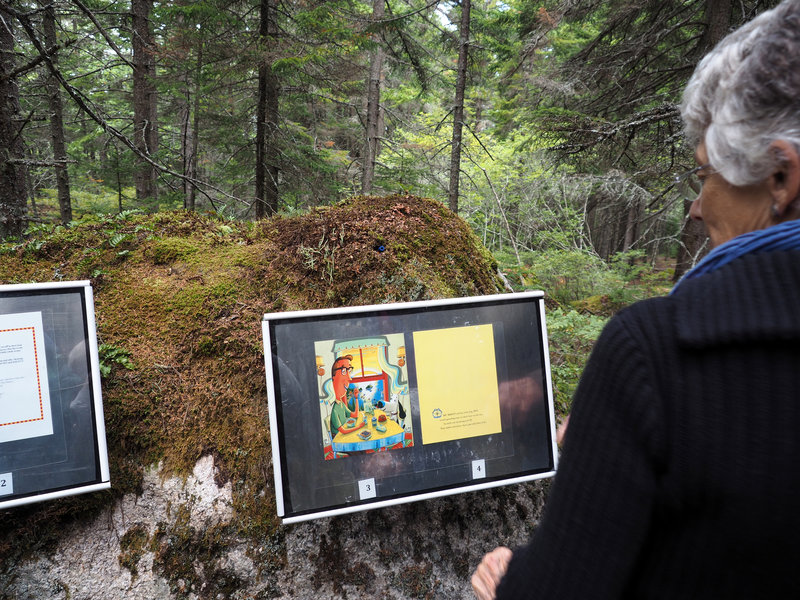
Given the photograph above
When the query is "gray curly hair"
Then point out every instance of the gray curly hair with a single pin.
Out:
(745, 94)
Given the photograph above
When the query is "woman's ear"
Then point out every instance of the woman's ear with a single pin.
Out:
(784, 182)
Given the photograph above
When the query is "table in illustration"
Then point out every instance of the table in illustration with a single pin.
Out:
(354, 441)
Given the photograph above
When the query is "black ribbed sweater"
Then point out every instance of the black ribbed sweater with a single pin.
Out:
(680, 473)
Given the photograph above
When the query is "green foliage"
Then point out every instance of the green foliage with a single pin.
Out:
(570, 275)
(540, 71)
(580, 279)
(571, 336)
(117, 238)
(89, 197)
(111, 355)
(641, 279)
(572, 36)
(582, 292)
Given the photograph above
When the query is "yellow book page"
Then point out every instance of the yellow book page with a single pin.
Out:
(457, 383)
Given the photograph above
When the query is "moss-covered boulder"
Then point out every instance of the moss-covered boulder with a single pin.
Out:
(191, 514)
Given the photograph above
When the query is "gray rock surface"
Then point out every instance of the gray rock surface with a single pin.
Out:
(148, 546)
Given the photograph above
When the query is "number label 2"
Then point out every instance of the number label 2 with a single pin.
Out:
(6, 484)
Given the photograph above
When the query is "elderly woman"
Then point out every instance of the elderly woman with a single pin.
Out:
(680, 473)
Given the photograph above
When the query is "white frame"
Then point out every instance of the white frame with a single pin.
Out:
(99, 422)
(473, 300)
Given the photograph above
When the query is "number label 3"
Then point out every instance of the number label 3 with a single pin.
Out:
(366, 489)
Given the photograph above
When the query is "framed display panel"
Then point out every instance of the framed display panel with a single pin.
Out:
(371, 406)
(52, 435)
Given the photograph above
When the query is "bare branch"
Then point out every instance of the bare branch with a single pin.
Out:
(102, 31)
(42, 163)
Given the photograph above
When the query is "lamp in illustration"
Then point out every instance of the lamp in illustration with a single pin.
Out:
(401, 355)
(320, 367)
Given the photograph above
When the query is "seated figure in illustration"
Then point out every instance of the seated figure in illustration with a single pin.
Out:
(342, 409)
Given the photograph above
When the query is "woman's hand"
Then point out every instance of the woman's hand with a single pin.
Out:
(562, 431)
(487, 576)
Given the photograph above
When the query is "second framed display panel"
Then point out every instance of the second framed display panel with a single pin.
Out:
(377, 405)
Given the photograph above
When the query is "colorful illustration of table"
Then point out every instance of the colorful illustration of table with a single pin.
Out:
(353, 442)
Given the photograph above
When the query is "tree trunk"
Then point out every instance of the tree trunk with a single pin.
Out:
(458, 109)
(631, 225)
(693, 236)
(187, 135)
(184, 114)
(145, 112)
(13, 188)
(57, 119)
(267, 118)
(718, 15)
(373, 123)
(192, 191)
(119, 189)
(189, 118)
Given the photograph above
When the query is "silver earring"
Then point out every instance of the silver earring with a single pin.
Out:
(776, 213)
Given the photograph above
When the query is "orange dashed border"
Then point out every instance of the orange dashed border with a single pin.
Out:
(38, 380)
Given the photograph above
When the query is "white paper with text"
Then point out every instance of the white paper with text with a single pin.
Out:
(24, 393)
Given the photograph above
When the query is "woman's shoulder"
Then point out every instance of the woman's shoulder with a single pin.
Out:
(644, 315)
(752, 297)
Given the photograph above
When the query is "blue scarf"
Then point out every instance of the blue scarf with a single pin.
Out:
(784, 236)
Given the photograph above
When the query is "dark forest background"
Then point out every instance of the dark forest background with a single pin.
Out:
(550, 126)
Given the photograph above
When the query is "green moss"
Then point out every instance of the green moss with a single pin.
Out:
(188, 559)
(169, 250)
(223, 290)
(401, 251)
(416, 581)
(206, 346)
(189, 300)
(596, 305)
(133, 545)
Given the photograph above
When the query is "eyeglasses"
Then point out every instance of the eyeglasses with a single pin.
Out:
(691, 177)
(345, 370)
